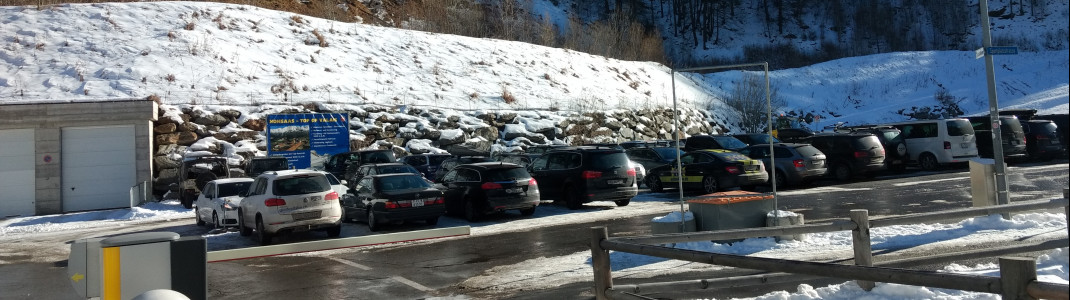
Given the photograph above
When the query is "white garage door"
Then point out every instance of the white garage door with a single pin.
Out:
(17, 170)
(98, 167)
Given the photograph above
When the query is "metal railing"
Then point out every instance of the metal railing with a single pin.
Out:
(1017, 275)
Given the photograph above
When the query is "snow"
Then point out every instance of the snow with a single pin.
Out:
(674, 217)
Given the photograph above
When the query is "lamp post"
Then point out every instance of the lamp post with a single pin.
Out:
(993, 110)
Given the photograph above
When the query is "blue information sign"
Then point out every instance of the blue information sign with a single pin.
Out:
(306, 140)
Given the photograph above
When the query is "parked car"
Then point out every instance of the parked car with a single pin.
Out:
(581, 174)
(218, 201)
(895, 150)
(654, 157)
(390, 198)
(756, 138)
(474, 190)
(709, 170)
(1062, 126)
(848, 155)
(347, 162)
(280, 202)
(384, 168)
(795, 163)
(699, 142)
(452, 162)
(261, 164)
(520, 158)
(427, 164)
(933, 143)
(792, 135)
(195, 173)
(1042, 139)
(657, 143)
(1012, 136)
(542, 149)
(339, 186)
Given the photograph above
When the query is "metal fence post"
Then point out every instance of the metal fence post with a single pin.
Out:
(1015, 275)
(603, 279)
(861, 244)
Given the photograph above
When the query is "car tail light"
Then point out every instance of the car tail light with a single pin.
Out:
(1039, 137)
(947, 145)
(439, 200)
(861, 154)
(331, 196)
(593, 174)
(532, 182)
(491, 186)
(631, 172)
(732, 169)
(274, 202)
(799, 163)
(390, 205)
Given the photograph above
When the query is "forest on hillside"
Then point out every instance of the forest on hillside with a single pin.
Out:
(681, 33)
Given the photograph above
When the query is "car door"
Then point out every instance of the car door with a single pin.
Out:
(357, 206)
(253, 200)
(549, 180)
(671, 177)
(701, 165)
(452, 189)
(205, 201)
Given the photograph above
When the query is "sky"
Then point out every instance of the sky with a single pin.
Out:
(549, 272)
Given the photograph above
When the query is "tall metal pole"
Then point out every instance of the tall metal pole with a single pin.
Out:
(772, 153)
(676, 141)
(993, 109)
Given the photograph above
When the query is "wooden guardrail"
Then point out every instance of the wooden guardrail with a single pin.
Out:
(1017, 281)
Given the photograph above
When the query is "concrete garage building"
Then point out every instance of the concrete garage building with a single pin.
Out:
(65, 156)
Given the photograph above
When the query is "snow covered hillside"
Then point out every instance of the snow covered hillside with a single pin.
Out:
(234, 55)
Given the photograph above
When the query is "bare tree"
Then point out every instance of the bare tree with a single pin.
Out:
(749, 102)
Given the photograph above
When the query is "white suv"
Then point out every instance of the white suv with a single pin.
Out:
(290, 201)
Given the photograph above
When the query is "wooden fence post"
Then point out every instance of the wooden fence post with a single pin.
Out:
(1015, 275)
(862, 246)
(603, 279)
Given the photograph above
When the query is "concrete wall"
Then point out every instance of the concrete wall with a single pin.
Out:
(48, 118)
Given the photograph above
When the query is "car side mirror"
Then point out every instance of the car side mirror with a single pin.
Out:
(343, 182)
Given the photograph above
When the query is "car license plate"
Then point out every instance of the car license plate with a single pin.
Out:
(514, 190)
(964, 145)
(306, 215)
(615, 181)
(417, 203)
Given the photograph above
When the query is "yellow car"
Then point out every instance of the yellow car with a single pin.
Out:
(709, 170)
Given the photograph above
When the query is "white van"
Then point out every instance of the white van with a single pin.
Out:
(932, 143)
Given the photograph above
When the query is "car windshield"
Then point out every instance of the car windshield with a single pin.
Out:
(607, 160)
(668, 153)
(332, 180)
(507, 174)
(730, 156)
(892, 136)
(729, 142)
(1008, 125)
(232, 188)
(395, 183)
(379, 157)
(960, 128)
(301, 184)
(1048, 127)
(808, 151)
(398, 169)
(869, 142)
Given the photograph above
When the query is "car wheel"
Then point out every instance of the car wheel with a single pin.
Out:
(470, 212)
(432, 221)
(373, 224)
(528, 211)
(242, 229)
(623, 202)
(572, 199)
(334, 231)
(781, 180)
(197, 215)
(262, 236)
(842, 172)
(187, 201)
(928, 162)
(655, 184)
(215, 221)
(709, 184)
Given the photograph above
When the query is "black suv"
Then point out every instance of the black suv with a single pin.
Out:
(366, 170)
(475, 190)
(793, 135)
(261, 164)
(699, 142)
(453, 162)
(1042, 139)
(1011, 134)
(577, 175)
(345, 163)
(425, 163)
(896, 155)
(850, 154)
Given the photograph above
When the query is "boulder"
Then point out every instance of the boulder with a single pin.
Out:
(187, 127)
(165, 162)
(255, 124)
(211, 119)
(230, 114)
(165, 128)
(450, 137)
(167, 138)
(487, 133)
(507, 118)
(165, 178)
(186, 138)
(474, 146)
(166, 149)
(247, 135)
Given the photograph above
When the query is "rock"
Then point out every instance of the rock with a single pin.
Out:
(453, 119)
(165, 128)
(166, 149)
(186, 138)
(228, 137)
(165, 178)
(167, 138)
(507, 118)
(613, 125)
(187, 127)
(470, 147)
(450, 137)
(247, 135)
(255, 124)
(230, 114)
(210, 119)
(487, 133)
(165, 162)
